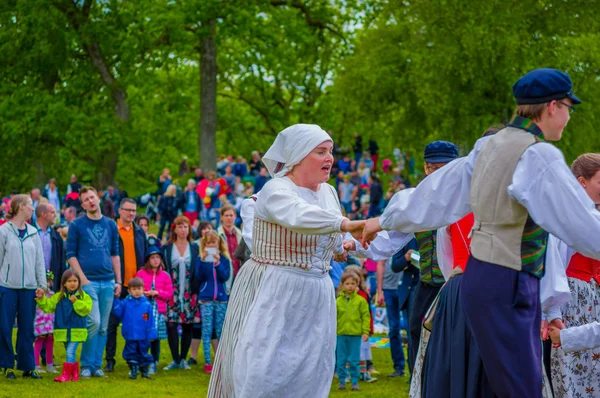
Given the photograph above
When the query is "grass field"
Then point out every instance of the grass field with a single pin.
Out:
(178, 383)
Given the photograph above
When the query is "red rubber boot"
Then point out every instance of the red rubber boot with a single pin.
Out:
(75, 371)
(66, 373)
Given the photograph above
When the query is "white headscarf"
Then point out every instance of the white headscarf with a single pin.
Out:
(291, 146)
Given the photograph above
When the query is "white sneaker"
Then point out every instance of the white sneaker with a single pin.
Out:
(40, 369)
(51, 369)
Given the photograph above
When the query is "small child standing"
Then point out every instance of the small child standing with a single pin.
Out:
(70, 306)
(43, 328)
(138, 328)
(366, 356)
(212, 271)
(158, 288)
(353, 321)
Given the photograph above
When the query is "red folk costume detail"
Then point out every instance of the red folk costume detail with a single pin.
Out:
(460, 233)
(583, 268)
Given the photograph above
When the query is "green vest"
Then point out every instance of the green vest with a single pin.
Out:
(430, 270)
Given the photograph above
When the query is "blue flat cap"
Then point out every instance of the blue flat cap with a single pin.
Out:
(440, 152)
(543, 85)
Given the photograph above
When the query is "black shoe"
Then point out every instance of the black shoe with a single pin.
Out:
(145, 374)
(192, 361)
(397, 373)
(31, 374)
(9, 374)
(110, 366)
(133, 371)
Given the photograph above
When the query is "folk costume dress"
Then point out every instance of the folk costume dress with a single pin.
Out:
(575, 373)
(518, 187)
(280, 329)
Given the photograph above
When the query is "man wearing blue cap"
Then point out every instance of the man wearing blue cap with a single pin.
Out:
(437, 154)
(520, 189)
(431, 279)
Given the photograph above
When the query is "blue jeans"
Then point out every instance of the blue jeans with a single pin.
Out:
(102, 294)
(19, 303)
(71, 350)
(348, 351)
(392, 304)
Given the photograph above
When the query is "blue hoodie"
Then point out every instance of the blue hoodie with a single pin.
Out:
(212, 279)
(136, 316)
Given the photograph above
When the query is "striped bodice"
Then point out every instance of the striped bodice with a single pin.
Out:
(277, 245)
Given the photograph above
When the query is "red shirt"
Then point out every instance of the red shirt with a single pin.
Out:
(232, 244)
(461, 241)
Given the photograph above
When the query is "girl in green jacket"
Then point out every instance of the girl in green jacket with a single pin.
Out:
(353, 322)
(71, 307)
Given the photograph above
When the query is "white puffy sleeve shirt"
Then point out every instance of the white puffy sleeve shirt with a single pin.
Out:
(542, 183)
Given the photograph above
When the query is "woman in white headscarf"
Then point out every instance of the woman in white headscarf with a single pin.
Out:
(279, 334)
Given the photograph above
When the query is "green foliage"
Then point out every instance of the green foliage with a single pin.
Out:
(434, 69)
(404, 73)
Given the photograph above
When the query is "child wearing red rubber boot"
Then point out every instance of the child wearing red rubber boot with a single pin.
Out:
(71, 306)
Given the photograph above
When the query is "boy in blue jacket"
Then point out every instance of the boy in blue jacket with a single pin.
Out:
(138, 328)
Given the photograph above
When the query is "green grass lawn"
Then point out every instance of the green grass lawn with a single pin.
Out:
(182, 383)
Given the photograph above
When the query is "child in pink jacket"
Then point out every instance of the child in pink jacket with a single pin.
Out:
(158, 288)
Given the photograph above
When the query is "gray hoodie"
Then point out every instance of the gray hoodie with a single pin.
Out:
(22, 263)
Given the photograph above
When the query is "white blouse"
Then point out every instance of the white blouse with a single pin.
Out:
(300, 210)
(182, 262)
(554, 286)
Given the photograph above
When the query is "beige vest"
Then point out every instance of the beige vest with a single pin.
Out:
(499, 220)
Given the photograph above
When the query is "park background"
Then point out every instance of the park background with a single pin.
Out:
(114, 91)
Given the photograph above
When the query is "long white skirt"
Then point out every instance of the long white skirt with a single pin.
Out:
(279, 335)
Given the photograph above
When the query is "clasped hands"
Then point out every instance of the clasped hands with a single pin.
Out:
(552, 330)
(362, 230)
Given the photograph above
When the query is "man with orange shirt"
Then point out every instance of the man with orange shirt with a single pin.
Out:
(132, 250)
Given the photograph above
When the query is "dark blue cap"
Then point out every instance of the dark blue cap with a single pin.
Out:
(543, 85)
(440, 152)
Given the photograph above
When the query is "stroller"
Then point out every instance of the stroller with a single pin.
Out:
(148, 201)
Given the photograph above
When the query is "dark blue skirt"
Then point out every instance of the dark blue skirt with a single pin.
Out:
(453, 366)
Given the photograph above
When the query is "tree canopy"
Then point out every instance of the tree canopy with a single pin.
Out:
(114, 91)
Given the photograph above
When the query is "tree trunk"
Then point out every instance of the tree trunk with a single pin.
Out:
(107, 170)
(207, 142)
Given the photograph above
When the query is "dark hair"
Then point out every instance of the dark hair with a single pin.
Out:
(147, 265)
(65, 276)
(128, 200)
(493, 129)
(142, 217)
(227, 208)
(586, 165)
(178, 221)
(86, 189)
(135, 282)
